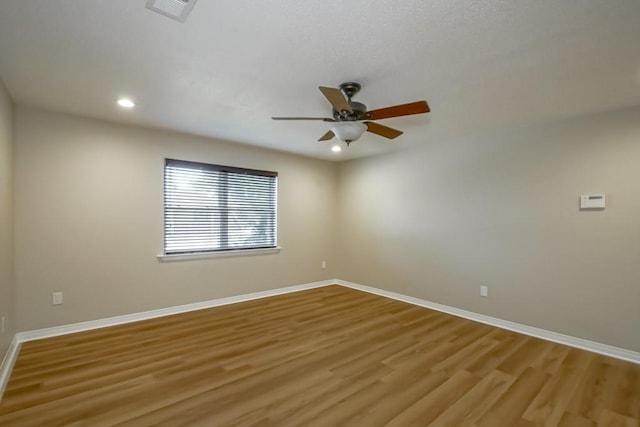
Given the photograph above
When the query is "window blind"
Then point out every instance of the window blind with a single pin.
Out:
(217, 208)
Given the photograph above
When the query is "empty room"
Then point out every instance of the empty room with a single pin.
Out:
(319, 213)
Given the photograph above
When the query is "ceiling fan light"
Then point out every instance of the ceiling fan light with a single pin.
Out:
(349, 131)
(336, 149)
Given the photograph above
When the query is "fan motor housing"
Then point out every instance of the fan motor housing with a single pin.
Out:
(349, 89)
(359, 110)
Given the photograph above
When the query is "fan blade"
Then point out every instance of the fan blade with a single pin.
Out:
(418, 107)
(327, 136)
(336, 98)
(324, 119)
(381, 130)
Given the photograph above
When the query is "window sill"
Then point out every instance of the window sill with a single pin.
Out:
(219, 254)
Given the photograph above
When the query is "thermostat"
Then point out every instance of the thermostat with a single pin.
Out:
(592, 201)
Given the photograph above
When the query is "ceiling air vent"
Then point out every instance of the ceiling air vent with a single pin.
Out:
(174, 9)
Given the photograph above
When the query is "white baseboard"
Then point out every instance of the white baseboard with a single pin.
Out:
(145, 315)
(604, 349)
(20, 337)
(7, 363)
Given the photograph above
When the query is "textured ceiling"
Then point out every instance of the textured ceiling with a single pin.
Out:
(233, 64)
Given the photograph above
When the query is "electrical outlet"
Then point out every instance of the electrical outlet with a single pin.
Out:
(57, 298)
(484, 291)
(324, 265)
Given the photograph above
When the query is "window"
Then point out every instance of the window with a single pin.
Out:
(211, 208)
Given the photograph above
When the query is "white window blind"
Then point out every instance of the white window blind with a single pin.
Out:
(217, 208)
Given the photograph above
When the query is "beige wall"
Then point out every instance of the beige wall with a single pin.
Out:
(89, 222)
(438, 221)
(434, 222)
(6, 219)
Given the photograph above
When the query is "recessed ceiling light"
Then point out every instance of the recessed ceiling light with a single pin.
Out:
(126, 103)
(336, 149)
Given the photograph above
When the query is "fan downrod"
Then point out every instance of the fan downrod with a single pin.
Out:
(349, 89)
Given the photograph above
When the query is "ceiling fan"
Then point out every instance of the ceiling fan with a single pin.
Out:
(352, 118)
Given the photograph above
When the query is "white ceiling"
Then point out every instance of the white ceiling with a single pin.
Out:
(233, 64)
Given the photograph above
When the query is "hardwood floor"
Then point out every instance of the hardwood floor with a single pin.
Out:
(324, 357)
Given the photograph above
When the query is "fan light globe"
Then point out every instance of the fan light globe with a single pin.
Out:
(349, 131)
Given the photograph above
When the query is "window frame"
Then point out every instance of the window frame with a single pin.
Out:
(225, 249)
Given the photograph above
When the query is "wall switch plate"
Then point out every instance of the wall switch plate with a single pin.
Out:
(484, 291)
(57, 298)
(3, 323)
(324, 264)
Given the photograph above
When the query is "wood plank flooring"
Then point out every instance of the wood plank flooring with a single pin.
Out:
(331, 356)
